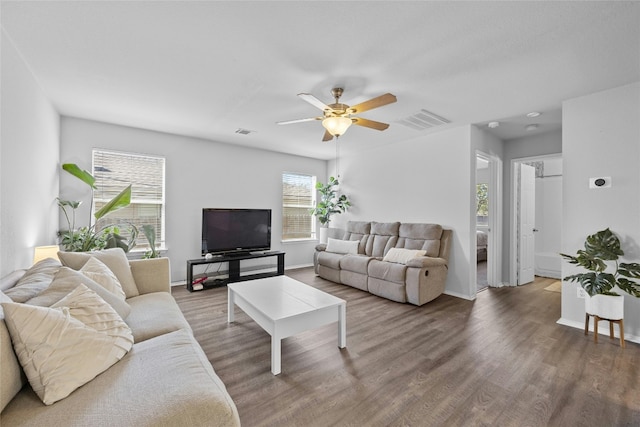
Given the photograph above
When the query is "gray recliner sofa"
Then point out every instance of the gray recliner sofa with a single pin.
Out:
(417, 280)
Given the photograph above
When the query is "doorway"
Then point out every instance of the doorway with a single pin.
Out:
(488, 220)
(536, 218)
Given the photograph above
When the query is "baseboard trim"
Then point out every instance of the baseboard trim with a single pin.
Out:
(293, 267)
(602, 329)
(459, 295)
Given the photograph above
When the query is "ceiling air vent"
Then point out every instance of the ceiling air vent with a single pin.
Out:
(423, 120)
(242, 131)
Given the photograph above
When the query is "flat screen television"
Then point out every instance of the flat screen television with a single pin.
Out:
(229, 231)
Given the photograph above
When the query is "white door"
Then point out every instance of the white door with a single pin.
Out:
(526, 224)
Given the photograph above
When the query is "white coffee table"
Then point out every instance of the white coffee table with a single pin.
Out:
(284, 307)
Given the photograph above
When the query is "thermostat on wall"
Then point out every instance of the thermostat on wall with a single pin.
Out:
(600, 182)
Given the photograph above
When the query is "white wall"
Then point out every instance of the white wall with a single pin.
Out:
(199, 173)
(29, 161)
(427, 179)
(601, 137)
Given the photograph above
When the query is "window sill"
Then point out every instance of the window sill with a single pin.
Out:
(285, 242)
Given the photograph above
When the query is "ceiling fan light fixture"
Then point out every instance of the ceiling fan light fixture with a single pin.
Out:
(336, 125)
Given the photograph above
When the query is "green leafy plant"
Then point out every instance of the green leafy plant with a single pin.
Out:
(330, 203)
(90, 238)
(600, 250)
(150, 233)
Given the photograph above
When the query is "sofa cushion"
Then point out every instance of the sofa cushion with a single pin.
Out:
(384, 236)
(97, 271)
(342, 246)
(66, 280)
(35, 280)
(11, 377)
(387, 271)
(154, 314)
(330, 260)
(63, 347)
(114, 258)
(420, 236)
(402, 256)
(358, 230)
(164, 381)
(355, 263)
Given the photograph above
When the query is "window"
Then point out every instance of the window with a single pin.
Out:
(482, 204)
(113, 172)
(298, 196)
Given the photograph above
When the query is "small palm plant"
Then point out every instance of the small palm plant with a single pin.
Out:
(600, 248)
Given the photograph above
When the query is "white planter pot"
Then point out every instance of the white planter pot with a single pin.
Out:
(324, 233)
(605, 306)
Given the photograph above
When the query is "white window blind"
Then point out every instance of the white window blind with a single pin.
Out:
(114, 171)
(298, 196)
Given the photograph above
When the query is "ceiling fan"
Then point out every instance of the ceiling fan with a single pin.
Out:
(336, 118)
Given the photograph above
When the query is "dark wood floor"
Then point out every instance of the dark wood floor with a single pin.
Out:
(500, 360)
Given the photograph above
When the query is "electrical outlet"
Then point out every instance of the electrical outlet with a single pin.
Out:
(581, 292)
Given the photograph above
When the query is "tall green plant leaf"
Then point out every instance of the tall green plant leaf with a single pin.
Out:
(594, 283)
(629, 286)
(604, 244)
(586, 260)
(150, 233)
(81, 174)
(120, 201)
(631, 270)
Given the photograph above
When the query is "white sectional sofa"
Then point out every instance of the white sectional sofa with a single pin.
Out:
(164, 379)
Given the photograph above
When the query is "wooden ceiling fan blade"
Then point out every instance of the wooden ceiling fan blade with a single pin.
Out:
(310, 119)
(314, 101)
(327, 136)
(369, 123)
(376, 102)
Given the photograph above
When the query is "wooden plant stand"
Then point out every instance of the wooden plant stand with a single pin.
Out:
(597, 319)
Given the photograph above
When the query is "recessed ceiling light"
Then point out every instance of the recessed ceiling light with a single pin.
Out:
(533, 114)
(530, 127)
(493, 125)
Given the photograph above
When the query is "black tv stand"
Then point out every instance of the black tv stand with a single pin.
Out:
(234, 269)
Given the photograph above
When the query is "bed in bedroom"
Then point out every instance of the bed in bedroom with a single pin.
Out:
(482, 238)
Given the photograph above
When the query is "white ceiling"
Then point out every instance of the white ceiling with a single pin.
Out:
(205, 69)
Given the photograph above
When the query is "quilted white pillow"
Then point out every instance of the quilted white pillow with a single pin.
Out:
(97, 271)
(338, 246)
(67, 345)
(402, 256)
(114, 258)
(67, 280)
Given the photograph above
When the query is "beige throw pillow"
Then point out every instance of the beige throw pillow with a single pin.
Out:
(402, 256)
(37, 278)
(97, 271)
(114, 258)
(65, 346)
(67, 280)
(338, 246)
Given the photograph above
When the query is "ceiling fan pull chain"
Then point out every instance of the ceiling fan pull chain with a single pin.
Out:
(337, 159)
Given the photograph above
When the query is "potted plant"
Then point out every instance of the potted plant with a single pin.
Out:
(90, 238)
(330, 203)
(601, 251)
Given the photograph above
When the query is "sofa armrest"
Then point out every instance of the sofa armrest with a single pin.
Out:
(426, 261)
(321, 247)
(151, 275)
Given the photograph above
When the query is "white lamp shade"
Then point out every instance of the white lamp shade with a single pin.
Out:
(336, 126)
(44, 252)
